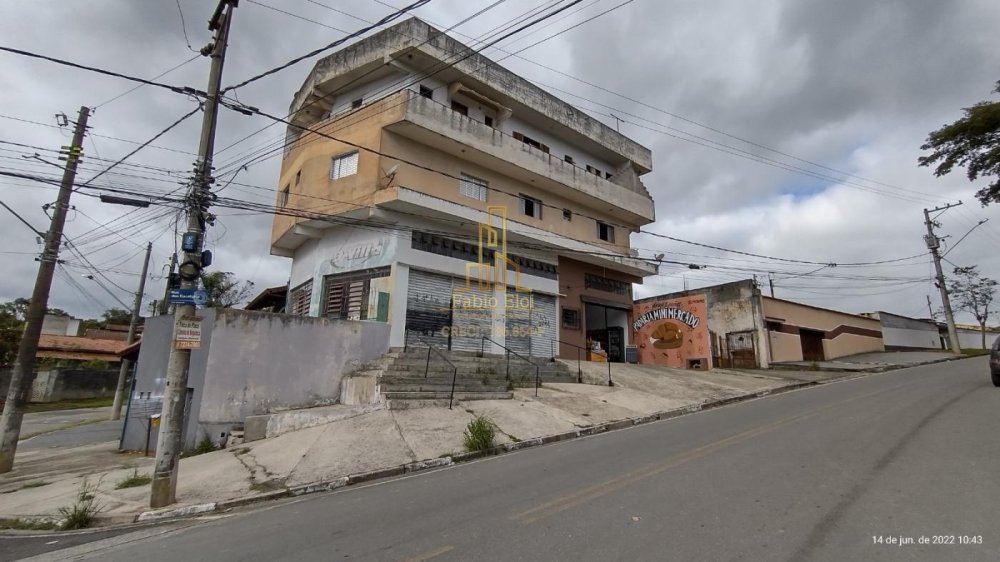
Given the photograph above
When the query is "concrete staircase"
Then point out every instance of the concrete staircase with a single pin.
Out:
(398, 379)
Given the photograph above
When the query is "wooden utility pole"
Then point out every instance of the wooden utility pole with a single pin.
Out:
(934, 243)
(24, 366)
(171, 439)
(116, 409)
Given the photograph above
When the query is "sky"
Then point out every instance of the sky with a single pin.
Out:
(785, 129)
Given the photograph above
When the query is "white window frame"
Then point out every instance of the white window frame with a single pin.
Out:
(537, 204)
(344, 165)
(473, 187)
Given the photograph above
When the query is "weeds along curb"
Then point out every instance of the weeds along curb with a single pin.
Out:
(456, 458)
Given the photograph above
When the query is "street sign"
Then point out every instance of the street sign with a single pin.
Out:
(188, 333)
(196, 297)
(200, 298)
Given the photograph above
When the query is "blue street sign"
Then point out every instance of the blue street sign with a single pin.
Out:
(182, 296)
(200, 298)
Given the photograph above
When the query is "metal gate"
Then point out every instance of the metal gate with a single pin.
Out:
(742, 351)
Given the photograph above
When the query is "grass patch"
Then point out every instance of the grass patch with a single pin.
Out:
(242, 451)
(203, 446)
(83, 511)
(975, 352)
(35, 484)
(134, 480)
(27, 525)
(266, 486)
(480, 434)
(101, 402)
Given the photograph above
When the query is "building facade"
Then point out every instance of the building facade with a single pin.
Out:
(425, 186)
(800, 332)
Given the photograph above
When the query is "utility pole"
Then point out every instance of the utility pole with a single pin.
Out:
(165, 303)
(116, 409)
(24, 366)
(930, 309)
(770, 282)
(171, 439)
(934, 243)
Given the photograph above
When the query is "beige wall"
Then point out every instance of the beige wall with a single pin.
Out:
(785, 347)
(364, 127)
(844, 334)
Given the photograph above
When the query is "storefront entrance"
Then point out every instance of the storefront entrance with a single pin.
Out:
(607, 326)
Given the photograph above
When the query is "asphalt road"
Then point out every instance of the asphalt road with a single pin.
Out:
(817, 474)
(85, 434)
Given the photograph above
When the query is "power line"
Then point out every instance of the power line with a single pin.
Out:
(186, 90)
(315, 52)
(157, 77)
(184, 30)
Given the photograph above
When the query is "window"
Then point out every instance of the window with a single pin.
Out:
(460, 108)
(593, 170)
(283, 200)
(531, 207)
(357, 103)
(298, 177)
(426, 92)
(567, 215)
(488, 120)
(531, 142)
(571, 318)
(343, 166)
(605, 232)
(607, 175)
(298, 299)
(568, 158)
(471, 186)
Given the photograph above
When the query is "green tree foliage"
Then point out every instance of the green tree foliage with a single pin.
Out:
(974, 294)
(116, 316)
(973, 142)
(224, 290)
(13, 315)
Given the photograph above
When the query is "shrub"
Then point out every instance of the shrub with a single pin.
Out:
(81, 514)
(134, 480)
(203, 446)
(480, 434)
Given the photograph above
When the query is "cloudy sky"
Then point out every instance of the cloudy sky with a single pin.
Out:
(788, 129)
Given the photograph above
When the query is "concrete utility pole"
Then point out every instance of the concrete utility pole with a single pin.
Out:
(170, 441)
(24, 366)
(116, 409)
(933, 243)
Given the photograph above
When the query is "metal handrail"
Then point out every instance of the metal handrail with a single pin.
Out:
(427, 365)
(482, 351)
(579, 370)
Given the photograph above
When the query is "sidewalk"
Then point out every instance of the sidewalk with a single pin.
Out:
(871, 362)
(322, 457)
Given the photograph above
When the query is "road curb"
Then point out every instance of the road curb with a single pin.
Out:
(164, 515)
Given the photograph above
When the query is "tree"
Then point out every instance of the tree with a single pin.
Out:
(116, 316)
(224, 290)
(973, 142)
(974, 294)
(13, 315)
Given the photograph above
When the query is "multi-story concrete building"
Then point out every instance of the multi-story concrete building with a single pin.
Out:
(433, 141)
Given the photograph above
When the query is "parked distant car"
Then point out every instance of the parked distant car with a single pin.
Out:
(995, 363)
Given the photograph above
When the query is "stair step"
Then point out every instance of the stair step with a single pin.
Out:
(431, 395)
(397, 387)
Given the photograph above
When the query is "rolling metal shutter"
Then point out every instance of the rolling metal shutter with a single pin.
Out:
(518, 328)
(543, 325)
(428, 307)
(470, 319)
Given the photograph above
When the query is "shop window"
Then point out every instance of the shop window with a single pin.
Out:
(343, 166)
(571, 318)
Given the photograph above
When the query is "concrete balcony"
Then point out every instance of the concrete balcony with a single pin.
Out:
(430, 123)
